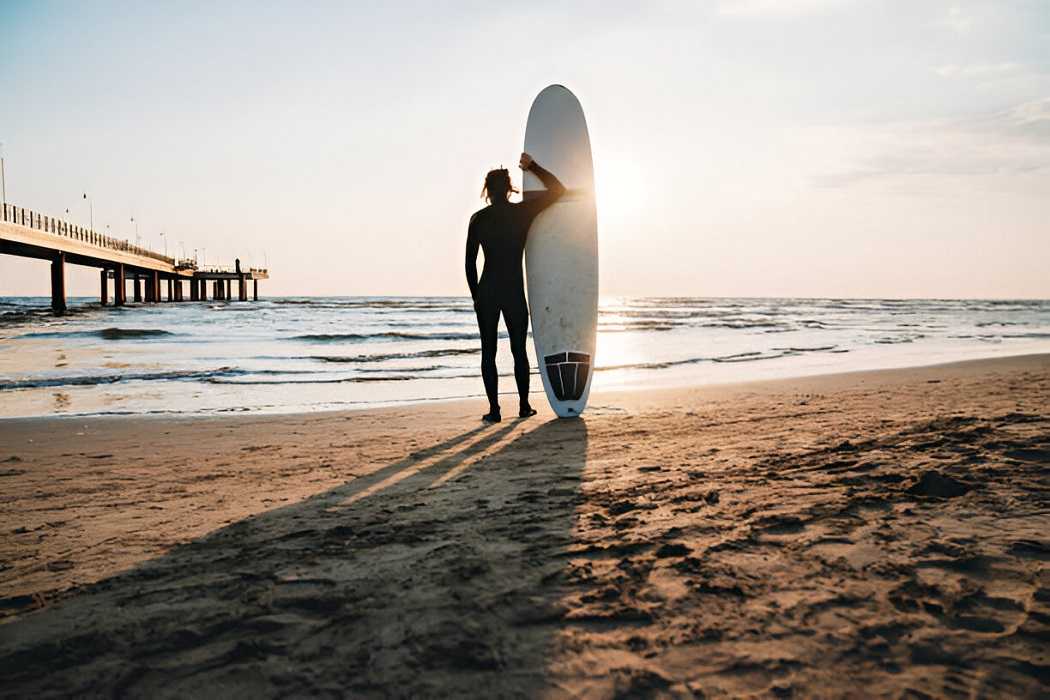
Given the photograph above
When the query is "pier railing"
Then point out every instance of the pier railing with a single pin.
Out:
(230, 270)
(49, 224)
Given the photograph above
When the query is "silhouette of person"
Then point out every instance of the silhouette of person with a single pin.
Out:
(500, 230)
(237, 265)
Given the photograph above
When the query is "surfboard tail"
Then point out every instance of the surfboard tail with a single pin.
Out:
(568, 374)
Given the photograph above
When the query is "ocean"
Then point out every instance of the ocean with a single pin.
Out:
(296, 354)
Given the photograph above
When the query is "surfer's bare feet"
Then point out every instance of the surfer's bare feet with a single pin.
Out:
(492, 417)
(526, 411)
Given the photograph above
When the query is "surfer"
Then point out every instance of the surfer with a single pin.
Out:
(500, 230)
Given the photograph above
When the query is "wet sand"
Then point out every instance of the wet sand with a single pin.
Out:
(866, 534)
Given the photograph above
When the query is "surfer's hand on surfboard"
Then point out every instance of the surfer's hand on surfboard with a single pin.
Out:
(526, 161)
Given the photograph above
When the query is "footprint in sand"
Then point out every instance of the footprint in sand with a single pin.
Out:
(1031, 549)
(1038, 456)
(933, 484)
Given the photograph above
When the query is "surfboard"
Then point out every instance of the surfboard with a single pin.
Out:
(561, 251)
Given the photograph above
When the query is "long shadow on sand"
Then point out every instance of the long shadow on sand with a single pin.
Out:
(431, 576)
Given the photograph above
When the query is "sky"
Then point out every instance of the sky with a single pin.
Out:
(816, 148)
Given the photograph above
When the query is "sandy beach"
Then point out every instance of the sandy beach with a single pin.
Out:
(866, 534)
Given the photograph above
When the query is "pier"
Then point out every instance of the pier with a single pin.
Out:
(32, 235)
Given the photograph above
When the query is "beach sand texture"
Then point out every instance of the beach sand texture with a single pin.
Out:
(865, 534)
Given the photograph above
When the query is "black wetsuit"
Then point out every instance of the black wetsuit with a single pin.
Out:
(500, 229)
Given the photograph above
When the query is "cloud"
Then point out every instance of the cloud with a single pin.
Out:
(981, 70)
(776, 8)
(1033, 115)
(1027, 124)
(959, 20)
(1015, 141)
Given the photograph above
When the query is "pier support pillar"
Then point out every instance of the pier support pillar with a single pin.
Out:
(171, 289)
(255, 294)
(58, 283)
(120, 289)
(103, 295)
(203, 296)
(195, 289)
(229, 290)
(138, 290)
(242, 289)
(154, 282)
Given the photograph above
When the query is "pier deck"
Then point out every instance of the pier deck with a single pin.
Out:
(32, 235)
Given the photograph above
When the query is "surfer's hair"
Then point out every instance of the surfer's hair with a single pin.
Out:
(497, 185)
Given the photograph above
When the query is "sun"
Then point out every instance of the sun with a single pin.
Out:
(620, 190)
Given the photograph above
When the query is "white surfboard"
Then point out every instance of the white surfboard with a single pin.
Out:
(561, 253)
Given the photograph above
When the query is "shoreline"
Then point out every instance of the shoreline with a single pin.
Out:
(727, 539)
(509, 395)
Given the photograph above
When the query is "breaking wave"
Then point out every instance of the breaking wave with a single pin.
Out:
(386, 357)
(385, 336)
(104, 333)
(96, 379)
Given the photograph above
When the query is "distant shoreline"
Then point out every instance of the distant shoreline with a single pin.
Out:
(91, 299)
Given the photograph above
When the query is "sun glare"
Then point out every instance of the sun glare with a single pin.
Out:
(620, 191)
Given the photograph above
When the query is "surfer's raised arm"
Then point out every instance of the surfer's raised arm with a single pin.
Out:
(534, 205)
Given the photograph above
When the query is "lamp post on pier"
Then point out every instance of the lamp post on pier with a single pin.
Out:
(91, 212)
(3, 177)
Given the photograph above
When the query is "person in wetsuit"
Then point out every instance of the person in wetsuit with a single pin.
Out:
(500, 230)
